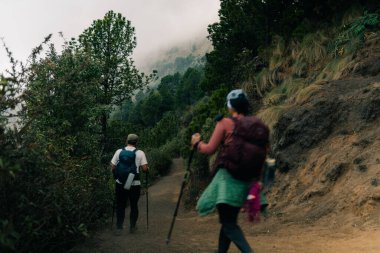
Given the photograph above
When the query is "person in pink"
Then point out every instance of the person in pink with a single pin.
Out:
(225, 193)
(253, 203)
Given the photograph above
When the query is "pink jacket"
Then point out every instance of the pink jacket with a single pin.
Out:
(222, 133)
(253, 202)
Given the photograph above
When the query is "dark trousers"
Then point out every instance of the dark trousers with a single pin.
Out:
(122, 196)
(230, 231)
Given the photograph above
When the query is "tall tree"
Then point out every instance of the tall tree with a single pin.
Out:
(189, 90)
(152, 108)
(8, 98)
(168, 88)
(240, 27)
(61, 104)
(111, 41)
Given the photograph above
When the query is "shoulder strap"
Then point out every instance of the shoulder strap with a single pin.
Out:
(219, 117)
(122, 149)
(234, 119)
(134, 151)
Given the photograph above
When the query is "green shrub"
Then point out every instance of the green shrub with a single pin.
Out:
(354, 31)
(49, 205)
(159, 162)
(51, 194)
(8, 236)
(164, 130)
(172, 147)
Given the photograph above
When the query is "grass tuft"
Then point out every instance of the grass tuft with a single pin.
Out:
(336, 68)
(304, 95)
(271, 115)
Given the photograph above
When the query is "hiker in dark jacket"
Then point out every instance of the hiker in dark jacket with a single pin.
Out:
(225, 193)
(133, 193)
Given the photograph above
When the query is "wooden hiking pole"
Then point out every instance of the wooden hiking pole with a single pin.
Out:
(184, 181)
(147, 200)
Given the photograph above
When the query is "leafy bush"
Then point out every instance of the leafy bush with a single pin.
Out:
(8, 236)
(49, 204)
(161, 132)
(54, 187)
(354, 30)
(159, 162)
(172, 147)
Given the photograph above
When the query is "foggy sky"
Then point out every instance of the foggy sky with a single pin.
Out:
(159, 24)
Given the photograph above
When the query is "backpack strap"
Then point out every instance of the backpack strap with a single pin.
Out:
(234, 119)
(137, 169)
(122, 149)
(134, 151)
(219, 117)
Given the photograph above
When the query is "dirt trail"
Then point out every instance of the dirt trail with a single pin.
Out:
(195, 234)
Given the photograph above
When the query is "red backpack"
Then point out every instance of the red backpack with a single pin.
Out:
(245, 155)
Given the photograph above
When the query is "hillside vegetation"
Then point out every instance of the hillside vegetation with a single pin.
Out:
(311, 70)
(179, 58)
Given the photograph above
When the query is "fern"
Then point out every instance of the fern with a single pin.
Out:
(355, 31)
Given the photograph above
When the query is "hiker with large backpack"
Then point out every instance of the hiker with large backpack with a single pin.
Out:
(242, 140)
(126, 164)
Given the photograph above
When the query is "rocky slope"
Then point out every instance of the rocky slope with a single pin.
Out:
(328, 147)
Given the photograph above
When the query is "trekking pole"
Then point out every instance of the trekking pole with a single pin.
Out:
(113, 208)
(114, 198)
(184, 181)
(147, 200)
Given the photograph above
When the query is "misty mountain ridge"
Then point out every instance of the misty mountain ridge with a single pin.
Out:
(178, 58)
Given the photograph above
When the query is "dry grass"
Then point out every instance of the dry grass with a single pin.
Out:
(271, 115)
(337, 68)
(278, 53)
(266, 79)
(309, 55)
(286, 90)
(300, 68)
(296, 72)
(274, 99)
(260, 83)
(291, 85)
(297, 61)
(371, 38)
(314, 48)
(250, 88)
(304, 95)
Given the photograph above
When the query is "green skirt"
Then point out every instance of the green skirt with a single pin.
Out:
(223, 189)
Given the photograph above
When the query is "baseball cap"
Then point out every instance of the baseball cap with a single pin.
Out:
(237, 94)
(132, 137)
